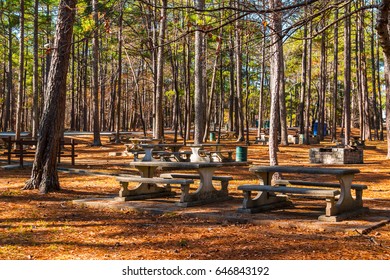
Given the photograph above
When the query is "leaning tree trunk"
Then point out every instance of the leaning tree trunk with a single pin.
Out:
(44, 174)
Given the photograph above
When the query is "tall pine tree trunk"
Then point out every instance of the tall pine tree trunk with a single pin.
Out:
(275, 83)
(95, 75)
(347, 75)
(335, 77)
(19, 103)
(383, 28)
(200, 88)
(158, 128)
(44, 174)
(35, 112)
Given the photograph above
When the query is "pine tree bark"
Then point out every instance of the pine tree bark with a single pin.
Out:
(275, 83)
(95, 76)
(35, 111)
(44, 174)
(308, 95)
(347, 75)
(158, 128)
(238, 54)
(335, 77)
(383, 28)
(200, 88)
(19, 103)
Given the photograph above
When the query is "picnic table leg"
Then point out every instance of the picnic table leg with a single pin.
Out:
(346, 201)
(206, 179)
(206, 193)
(263, 200)
(148, 154)
(195, 157)
(142, 189)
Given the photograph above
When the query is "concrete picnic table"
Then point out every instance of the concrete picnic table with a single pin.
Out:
(205, 191)
(346, 203)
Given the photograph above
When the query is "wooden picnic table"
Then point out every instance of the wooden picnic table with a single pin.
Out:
(205, 191)
(346, 205)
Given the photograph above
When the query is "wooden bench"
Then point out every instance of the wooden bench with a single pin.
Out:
(148, 187)
(224, 180)
(328, 194)
(358, 188)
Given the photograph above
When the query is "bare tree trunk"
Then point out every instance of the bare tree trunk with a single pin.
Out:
(262, 79)
(308, 95)
(301, 105)
(232, 82)
(119, 92)
(200, 88)
(95, 75)
(158, 128)
(383, 27)
(187, 83)
(44, 174)
(35, 111)
(376, 116)
(323, 79)
(19, 103)
(335, 77)
(347, 75)
(275, 83)
(7, 118)
(378, 71)
(211, 98)
(238, 52)
(85, 83)
(366, 128)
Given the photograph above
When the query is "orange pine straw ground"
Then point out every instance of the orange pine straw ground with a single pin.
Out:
(34, 226)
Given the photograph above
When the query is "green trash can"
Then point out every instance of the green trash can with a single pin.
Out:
(241, 153)
(212, 136)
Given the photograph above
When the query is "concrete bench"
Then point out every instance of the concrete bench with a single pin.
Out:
(148, 188)
(270, 191)
(358, 188)
(224, 180)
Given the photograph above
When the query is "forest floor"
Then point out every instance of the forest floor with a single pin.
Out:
(52, 226)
